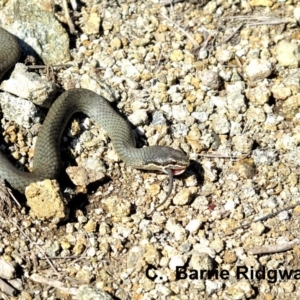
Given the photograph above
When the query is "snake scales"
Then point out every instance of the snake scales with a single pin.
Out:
(46, 163)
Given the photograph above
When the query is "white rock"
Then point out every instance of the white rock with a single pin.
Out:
(205, 249)
(128, 69)
(180, 130)
(258, 69)
(200, 116)
(288, 54)
(179, 112)
(108, 74)
(91, 252)
(18, 110)
(85, 292)
(223, 55)
(230, 205)
(283, 216)
(297, 14)
(158, 118)
(210, 79)
(176, 229)
(139, 117)
(29, 86)
(7, 269)
(138, 104)
(237, 87)
(162, 289)
(176, 261)
(176, 97)
(104, 60)
(236, 102)
(172, 226)
(193, 226)
(292, 158)
(220, 124)
(212, 286)
(201, 261)
(286, 142)
(203, 53)
(257, 228)
(219, 101)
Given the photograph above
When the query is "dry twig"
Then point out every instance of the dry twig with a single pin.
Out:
(171, 2)
(258, 20)
(274, 248)
(7, 288)
(67, 16)
(40, 248)
(271, 215)
(53, 283)
(231, 157)
(233, 33)
(6, 196)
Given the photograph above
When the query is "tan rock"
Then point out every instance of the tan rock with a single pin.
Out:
(45, 200)
(266, 3)
(176, 55)
(92, 22)
(116, 43)
(90, 226)
(154, 189)
(241, 289)
(184, 196)
(117, 207)
(81, 176)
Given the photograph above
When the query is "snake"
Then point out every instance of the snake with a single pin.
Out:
(47, 160)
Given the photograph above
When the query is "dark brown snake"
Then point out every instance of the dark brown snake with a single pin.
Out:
(46, 163)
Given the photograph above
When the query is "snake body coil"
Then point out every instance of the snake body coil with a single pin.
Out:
(47, 162)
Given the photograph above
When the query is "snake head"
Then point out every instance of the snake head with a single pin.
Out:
(167, 160)
(163, 158)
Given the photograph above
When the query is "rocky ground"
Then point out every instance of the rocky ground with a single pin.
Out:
(219, 80)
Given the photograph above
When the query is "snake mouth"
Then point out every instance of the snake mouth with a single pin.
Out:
(178, 171)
